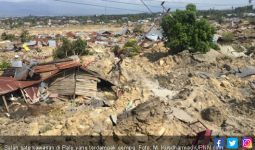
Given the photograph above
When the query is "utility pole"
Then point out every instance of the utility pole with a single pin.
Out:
(157, 22)
(165, 11)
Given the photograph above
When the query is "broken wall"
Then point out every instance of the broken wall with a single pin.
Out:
(63, 83)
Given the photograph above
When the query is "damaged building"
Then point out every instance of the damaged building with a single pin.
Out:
(63, 78)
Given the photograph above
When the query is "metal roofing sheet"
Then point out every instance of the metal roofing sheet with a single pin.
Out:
(56, 66)
(9, 84)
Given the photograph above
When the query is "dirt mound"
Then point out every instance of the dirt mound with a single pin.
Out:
(159, 96)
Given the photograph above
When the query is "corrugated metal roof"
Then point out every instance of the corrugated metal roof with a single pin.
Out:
(56, 66)
(9, 84)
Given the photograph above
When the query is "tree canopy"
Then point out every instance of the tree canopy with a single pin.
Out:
(130, 49)
(191, 7)
(69, 48)
(184, 31)
(24, 36)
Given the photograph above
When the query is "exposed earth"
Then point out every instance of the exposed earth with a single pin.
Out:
(162, 95)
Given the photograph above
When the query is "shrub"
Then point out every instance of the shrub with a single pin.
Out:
(183, 30)
(24, 36)
(4, 65)
(131, 48)
(215, 46)
(117, 51)
(68, 48)
(6, 36)
(227, 37)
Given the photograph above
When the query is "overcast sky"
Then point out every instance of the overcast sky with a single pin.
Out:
(52, 8)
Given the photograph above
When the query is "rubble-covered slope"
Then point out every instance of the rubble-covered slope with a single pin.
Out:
(161, 95)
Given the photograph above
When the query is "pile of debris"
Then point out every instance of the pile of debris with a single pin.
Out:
(39, 82)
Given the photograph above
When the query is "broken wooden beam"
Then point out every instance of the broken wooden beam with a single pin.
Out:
(5, 103)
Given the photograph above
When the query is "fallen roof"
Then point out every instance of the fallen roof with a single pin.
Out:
(9, 84)
(56, 66)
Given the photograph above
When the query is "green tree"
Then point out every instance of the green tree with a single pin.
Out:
(183, 30)
(24, 36)
(131, 48)
(191, 7)
(68, 48)
(79, 47)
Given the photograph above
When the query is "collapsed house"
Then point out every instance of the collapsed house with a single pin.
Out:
(38, 82)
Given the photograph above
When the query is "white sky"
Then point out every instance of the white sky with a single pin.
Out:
(51, 7)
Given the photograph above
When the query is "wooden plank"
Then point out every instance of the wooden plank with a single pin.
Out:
(24, 96)
(87, 77)
(64, 83)
(74, 85)
(86, 86)
(5, 103)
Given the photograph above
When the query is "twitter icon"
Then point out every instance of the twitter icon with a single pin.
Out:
(232, 143)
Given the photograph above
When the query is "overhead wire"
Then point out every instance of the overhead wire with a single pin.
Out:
(157, 6)
(183, 2)
(210, 5)
(146, 6)
(128, 3)
(96, 5)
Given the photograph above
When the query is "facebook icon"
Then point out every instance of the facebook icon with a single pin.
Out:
(219, 143)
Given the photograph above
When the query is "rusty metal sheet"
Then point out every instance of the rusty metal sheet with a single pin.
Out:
(47, 75)
(7, 85)
(56, 66)
(44, 68)
(67, 65)
(32, 93)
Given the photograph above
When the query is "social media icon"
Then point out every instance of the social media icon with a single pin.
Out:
(247, 143)
(232, 143)
(219, 143)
